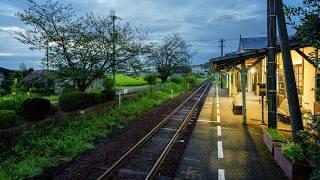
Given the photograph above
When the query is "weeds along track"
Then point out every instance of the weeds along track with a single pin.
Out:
(144, 159)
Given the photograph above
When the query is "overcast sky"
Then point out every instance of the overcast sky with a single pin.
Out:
(201, 22)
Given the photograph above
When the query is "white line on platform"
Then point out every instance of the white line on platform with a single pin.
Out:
(218, 105)
(218, 111)
(189, 159)
(221, 175)
(205, 121)
(218, 118)
(219, 131)
(220, 150)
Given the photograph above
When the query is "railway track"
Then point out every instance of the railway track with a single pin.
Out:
(144, 159)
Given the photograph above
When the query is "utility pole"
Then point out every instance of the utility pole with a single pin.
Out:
(271, 66)
(114, 17)
(292, 94)
(221, 46)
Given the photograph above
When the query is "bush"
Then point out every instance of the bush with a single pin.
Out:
(93, 98)
(68, 89)
(8, 118)
(177, 80)
(12, 102)
(108, 83)
(73, 101)
(293, 152)
(151, 78)
(192, 80)
(35, 109)
(108, 94)
(6, 85)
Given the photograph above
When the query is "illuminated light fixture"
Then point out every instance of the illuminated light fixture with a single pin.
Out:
(253, 70)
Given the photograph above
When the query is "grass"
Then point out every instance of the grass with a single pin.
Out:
(44, 148)
(276, 135)
(124, 80)
(52, 97)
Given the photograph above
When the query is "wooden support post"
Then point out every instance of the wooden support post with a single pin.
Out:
(234, 83)
(271, 66)
(230, 83)
(293, 100)
(243, 90)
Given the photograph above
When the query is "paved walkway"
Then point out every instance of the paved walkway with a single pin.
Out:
(221, 148)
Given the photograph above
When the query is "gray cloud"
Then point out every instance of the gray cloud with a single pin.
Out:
(201, 22)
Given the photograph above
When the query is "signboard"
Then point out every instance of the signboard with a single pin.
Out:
(262, 89)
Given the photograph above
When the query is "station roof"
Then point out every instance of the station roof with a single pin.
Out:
(236, 58)
(254, 43)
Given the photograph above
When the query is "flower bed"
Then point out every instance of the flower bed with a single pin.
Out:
(292, 170)
(271, 137)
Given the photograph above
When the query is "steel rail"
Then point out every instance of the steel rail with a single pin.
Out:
(162, 157)
(110, 171)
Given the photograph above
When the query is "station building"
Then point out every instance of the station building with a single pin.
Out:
(253, 53)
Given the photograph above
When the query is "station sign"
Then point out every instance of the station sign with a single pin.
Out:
(262, 89)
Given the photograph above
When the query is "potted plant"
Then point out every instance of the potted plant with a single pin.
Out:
(272, 136)
(292, 161)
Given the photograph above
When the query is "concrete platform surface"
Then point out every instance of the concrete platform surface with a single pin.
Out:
(220, 147)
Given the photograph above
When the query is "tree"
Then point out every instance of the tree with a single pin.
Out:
(305, 20)
(77, 48)
(129, 47)
(151, 78)
(171, 56)
(40, 79)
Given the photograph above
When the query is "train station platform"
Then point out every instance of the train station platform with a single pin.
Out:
(220, 147)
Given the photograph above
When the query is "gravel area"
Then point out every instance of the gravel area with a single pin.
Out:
(93, 163)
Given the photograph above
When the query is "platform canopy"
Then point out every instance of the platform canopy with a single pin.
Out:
(250, 56)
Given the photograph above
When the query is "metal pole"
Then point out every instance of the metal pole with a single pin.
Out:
(292, 94)
(271, 66)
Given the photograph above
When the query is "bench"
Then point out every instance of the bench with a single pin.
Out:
(237, 105)
(283, 111)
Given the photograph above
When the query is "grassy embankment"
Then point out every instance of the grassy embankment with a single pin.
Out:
(44, 148)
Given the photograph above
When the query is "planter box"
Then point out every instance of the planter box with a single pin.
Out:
(292, 170)
(270, 143)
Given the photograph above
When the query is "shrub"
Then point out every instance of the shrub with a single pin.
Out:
(177, 80)
(93, 98)
(12, 102)
(293, 152)
(73, 101)
(6, 85)
(68, 89)
(108, 83)
(192, 80)
(108, 94)
(35, 109)
(310, 139)
(151, 78)
(8, 118)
